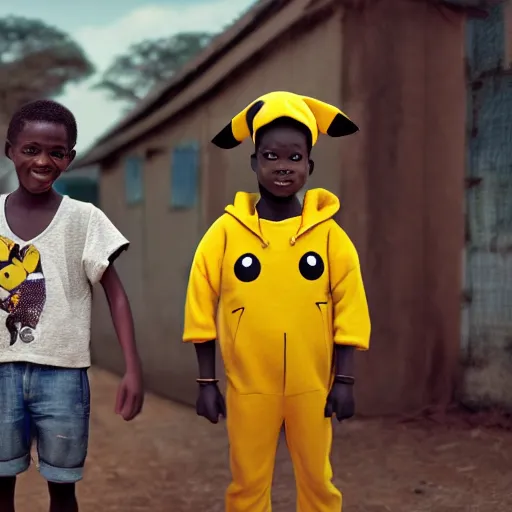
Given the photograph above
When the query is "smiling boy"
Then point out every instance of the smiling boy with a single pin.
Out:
(52, 250)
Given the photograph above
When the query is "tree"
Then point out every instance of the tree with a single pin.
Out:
(145, 64)
(36, 61)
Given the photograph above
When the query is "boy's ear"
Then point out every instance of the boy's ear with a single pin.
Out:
(71, 156)
(254, 162)
(7, 149)
(311, 167)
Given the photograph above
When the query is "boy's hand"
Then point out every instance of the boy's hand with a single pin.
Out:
(210, 403)
(340, 402)
(130, 395)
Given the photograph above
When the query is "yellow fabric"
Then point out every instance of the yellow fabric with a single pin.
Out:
(254, 423)
(314, 114)
(279, 234)
(276, 335)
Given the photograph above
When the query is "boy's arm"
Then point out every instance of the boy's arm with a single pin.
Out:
(344, 360)
(202, 298)
(122, 318)
(130, 397)
(103, 244)
(351, 320)
(206, 359)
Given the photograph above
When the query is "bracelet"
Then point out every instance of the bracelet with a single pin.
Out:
(207, 381)
(345, 379)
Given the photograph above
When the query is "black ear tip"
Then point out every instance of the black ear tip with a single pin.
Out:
(225, 138)
(341, 126)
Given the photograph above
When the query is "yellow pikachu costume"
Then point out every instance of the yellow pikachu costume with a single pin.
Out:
(278, 296)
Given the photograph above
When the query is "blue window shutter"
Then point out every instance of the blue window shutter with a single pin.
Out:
(185, 176)
(133, 179)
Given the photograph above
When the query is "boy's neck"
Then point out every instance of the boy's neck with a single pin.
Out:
(23, 198)
(275, 208)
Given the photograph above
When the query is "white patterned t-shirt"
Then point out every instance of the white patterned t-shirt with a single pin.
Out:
(46, 285)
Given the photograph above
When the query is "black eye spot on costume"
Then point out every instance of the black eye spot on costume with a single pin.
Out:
(311, 266)
(247, 268)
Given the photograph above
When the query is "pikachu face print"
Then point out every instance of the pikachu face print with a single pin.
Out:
(23, 283)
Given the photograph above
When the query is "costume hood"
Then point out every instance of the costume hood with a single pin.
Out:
(317, 116)
(319, 206)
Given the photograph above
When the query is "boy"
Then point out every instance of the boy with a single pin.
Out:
(291, 308)
(52, 250)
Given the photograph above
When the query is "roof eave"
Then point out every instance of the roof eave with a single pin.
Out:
(205, 60)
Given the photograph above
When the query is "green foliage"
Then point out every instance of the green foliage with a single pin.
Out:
(146, 64)
(36, 61)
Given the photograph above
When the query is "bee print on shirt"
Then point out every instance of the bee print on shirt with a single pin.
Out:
(23, 283)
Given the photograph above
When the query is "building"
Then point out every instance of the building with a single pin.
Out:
(398, 69)
(487, 289)
(81, 184)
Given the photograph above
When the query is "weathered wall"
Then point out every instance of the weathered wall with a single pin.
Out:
(488, 337)
(155, 269)
(400, 180)
(403, 189)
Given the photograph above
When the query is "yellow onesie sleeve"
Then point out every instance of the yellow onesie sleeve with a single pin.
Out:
(204, 286)
(351, 319)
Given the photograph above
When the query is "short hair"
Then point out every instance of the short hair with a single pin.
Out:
(285, 122)
(46, 111)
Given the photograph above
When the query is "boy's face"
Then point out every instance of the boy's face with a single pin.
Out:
(40, 155)
(281, 161)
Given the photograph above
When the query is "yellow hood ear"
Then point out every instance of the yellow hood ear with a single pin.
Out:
(239, 129)
(330, 119)
(316, 115)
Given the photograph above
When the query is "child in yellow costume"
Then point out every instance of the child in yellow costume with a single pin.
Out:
(278, 284)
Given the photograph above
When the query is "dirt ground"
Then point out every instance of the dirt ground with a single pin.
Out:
(152, 464)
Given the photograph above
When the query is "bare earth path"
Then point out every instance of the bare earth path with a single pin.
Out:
(153, 464)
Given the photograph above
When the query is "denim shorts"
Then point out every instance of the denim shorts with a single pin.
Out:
(50, 406)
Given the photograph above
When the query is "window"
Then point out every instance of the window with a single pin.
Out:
(185, 176)
(133, 179)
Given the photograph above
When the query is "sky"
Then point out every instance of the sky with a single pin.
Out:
(106, 28)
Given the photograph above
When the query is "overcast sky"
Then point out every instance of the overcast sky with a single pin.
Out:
(106, 28)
